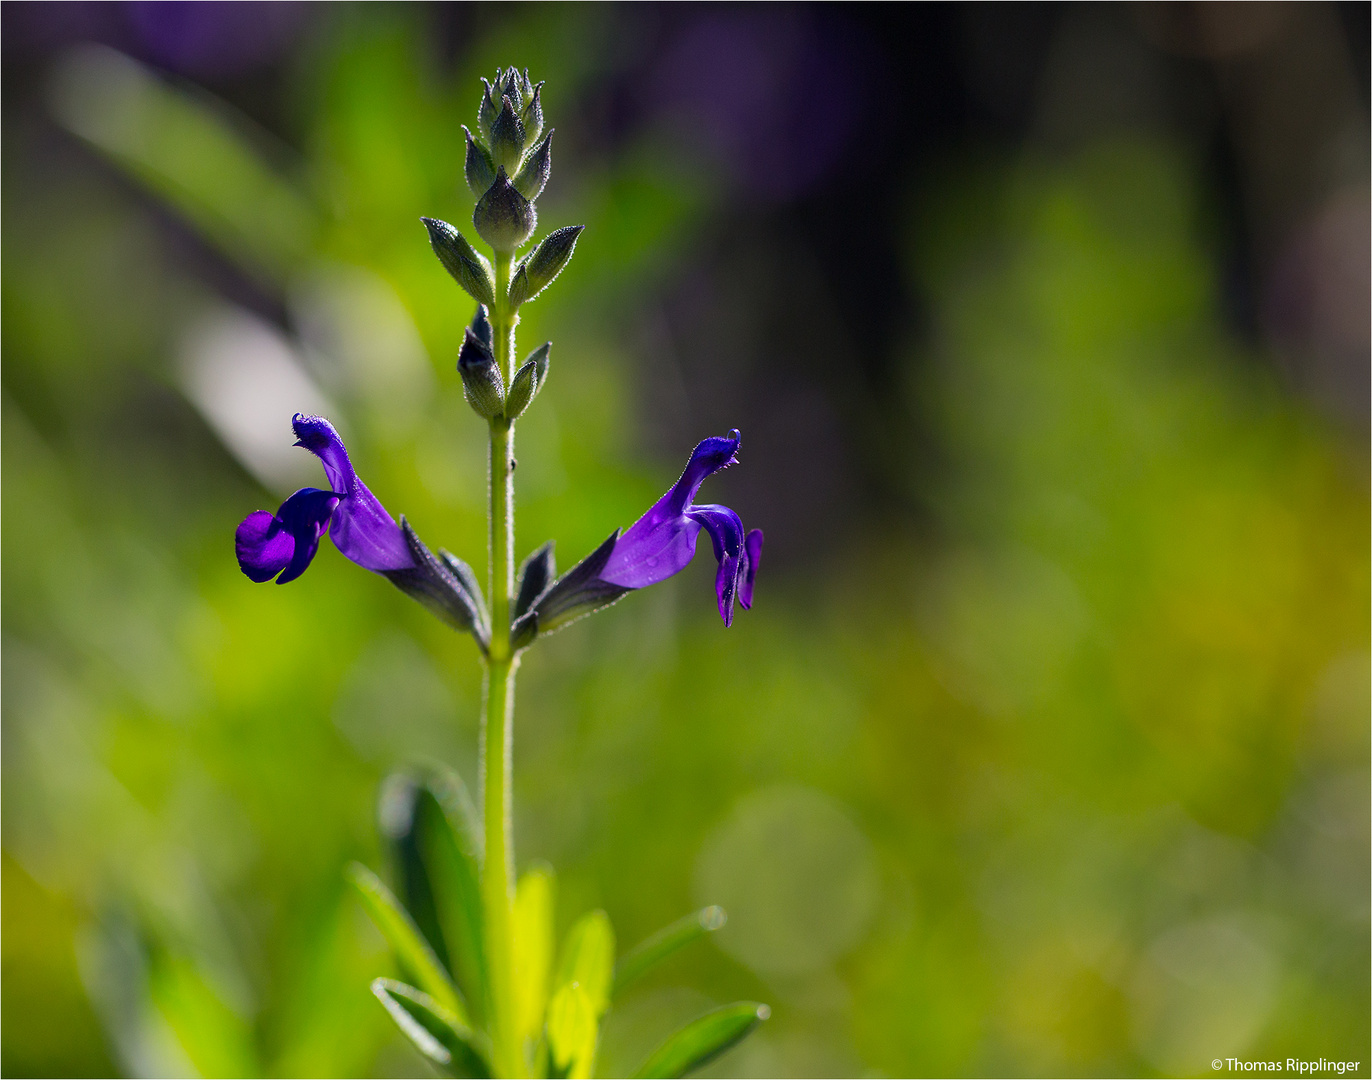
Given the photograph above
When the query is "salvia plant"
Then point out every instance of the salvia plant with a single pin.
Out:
(486, 993)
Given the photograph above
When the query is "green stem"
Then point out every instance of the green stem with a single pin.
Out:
(497, 876)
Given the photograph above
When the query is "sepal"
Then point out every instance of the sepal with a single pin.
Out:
(478, 168)
(533, 111)
(482, 384)
(527, 381)
(504, 217)
(578, 593)
(533, 174)
(489, 108)
(481, 326)
(544, 263)
(453, 596)
(538, 571)
(468, 267)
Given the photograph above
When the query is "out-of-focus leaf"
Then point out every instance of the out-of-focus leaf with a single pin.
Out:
(436, 1032)
(588, 958)
(191, 152)
(416, 957)
(533, 946)
(216, 1040)
(449, 842)
(703, 1040)
(650, 952)
(402, 816)
(572, 1032)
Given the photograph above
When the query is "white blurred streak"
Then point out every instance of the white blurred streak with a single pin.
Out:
(247, 381)
(361, 342)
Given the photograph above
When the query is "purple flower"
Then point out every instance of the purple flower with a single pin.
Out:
(656, 546)
(285, 542)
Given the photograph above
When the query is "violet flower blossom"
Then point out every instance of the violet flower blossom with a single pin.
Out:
(358, 524)
(659, 544)
(285, 543)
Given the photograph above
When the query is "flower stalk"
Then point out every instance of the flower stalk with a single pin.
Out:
(488, 999)
(497, 739)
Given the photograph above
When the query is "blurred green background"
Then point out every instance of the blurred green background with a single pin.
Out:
(1045, 748)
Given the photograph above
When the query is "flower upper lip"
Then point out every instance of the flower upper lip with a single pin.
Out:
(360, 527)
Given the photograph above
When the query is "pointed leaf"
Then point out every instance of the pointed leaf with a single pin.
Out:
(449, 840)
(436, 1032)
(647, 954)
(588, 958)
(703, 1040)
(533, 947)
(572, 1032)
(400, 802)
(416, 958)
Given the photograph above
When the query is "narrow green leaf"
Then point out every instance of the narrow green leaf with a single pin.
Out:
(588, 958)
(703, 1040)
(416, 958)
(533, 947)
(647, 954)
(572, 1032)
(399, 817)
(449, 839)
(436, 1032)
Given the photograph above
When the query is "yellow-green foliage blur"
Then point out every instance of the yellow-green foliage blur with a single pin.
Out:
(1064, 772)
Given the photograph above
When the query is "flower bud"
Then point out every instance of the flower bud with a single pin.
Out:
(527, 381)
(480, 169)
(511, 86)
(507, 137)
(469, 268)
(544, 263)
(533, 175)
(489, 108)
(504, 217)
(482, 384)
(533, 114)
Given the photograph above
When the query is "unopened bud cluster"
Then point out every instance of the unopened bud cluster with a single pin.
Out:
(507, 166)
(482, 383)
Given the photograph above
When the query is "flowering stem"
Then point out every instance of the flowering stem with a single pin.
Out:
(498, 725)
